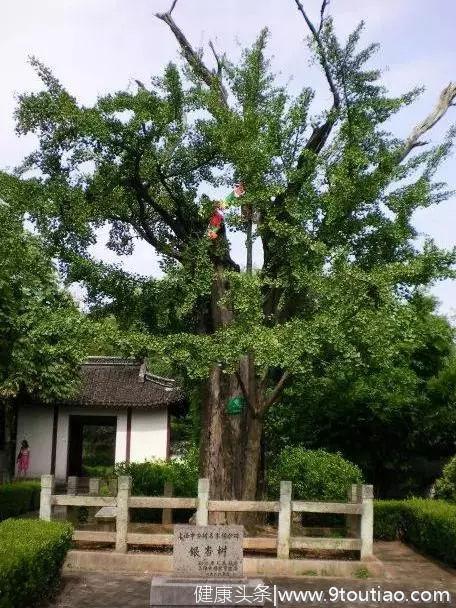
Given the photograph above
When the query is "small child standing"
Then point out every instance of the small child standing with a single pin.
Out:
(23, 458)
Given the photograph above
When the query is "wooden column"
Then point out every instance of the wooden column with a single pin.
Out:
(128, 440)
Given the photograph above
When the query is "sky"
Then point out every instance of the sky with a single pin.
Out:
(100, 46)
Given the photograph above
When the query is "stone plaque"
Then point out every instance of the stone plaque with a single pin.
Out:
(208, 551)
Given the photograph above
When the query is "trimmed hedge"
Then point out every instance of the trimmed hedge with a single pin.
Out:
(31, 557)
(428, 525)
(19, 497)
(388, 519)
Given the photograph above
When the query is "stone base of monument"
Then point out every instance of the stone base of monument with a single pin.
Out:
(171, 591)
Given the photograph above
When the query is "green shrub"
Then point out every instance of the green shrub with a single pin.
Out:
(148, 479)
(19, 497)
(315, 474)
(98, 471)
(31, 556)
(429, 525)
(445, 487)
(388, 519)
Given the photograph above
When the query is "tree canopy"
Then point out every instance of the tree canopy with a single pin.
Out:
(44, 335)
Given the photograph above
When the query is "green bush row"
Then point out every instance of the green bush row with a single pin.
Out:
(148, 479)
(19, 497)
(429, 525)
(31, 557)
(315, 474)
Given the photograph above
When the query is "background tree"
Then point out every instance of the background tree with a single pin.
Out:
(330, 197)
(395, 418)
(43, 334)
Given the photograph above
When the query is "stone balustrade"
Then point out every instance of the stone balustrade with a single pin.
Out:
(358, 512)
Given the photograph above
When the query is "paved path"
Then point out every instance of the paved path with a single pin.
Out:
(406, 571)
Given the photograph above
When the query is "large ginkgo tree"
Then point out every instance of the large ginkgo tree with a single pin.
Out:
(329, 197)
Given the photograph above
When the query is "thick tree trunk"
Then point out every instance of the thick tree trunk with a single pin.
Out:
(230, 444)
(230, 450)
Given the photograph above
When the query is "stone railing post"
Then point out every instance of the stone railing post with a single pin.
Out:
(167, 514)
(72, 486)
(353, 521)
(122, 519)
(283, 535)
(47, 488)
(94, 486)
(61, 511)
(94, 490)
(202, 512)
(366, 497)
(112, 486)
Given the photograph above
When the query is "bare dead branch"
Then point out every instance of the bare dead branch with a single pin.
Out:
(192, 57)
(321, 132)
(218, 60)
(173, 6)
(321, 50)
(322, 14)
(446, 99)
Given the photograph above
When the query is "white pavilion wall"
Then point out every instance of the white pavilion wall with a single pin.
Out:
(148, 439)
(34, 423)
(149, 434)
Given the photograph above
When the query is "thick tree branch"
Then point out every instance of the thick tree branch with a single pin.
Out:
(192, 57)
(277, 390)
(145, 233)
(142, 194)
(244, 390)
(446, 99)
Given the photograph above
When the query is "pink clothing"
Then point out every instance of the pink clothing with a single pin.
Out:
(23, 461)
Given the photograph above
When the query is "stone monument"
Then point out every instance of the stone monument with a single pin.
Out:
(212, 551)
(207, 567)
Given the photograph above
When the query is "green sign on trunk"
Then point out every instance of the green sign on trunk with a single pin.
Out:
(235, 405)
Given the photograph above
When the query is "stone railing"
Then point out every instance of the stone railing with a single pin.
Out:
(358, 512)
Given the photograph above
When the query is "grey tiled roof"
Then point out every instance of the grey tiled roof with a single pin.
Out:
(116, 382)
